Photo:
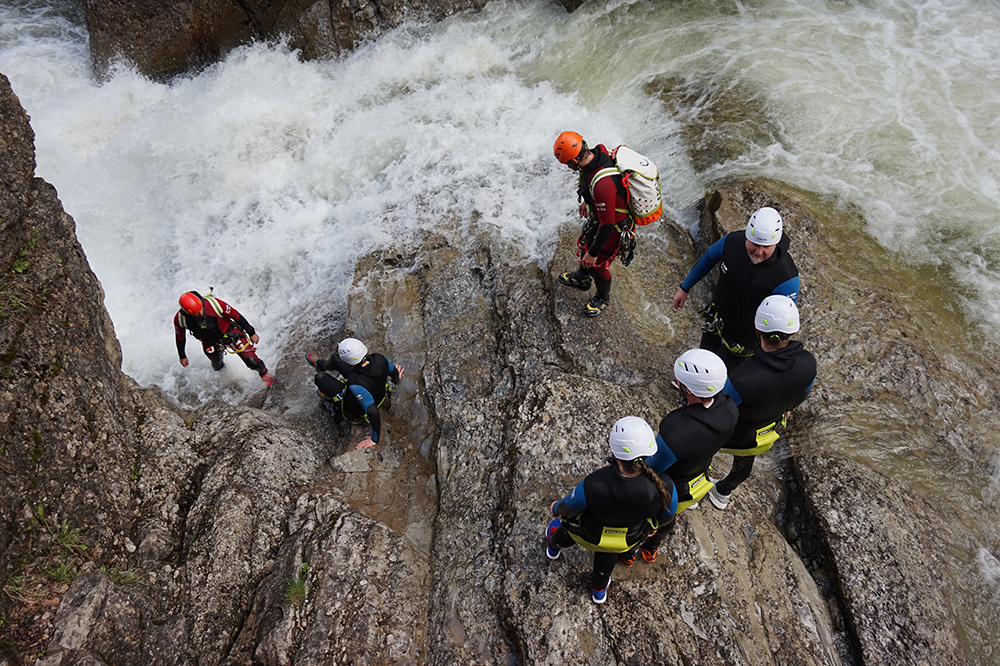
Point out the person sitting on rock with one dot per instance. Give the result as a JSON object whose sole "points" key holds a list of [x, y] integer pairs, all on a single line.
{"points": [[219, 327], [766, 388], [691, 435], [604, 205], [753, 264], [364, 388], [611, 510]]}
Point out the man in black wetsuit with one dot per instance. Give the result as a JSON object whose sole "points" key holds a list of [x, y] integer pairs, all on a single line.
{"points": [[775, 380], [357, 397], [753, 264], [690, 436]]}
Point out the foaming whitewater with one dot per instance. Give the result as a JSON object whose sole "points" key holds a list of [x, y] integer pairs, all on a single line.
{"points": [[266, 178]]}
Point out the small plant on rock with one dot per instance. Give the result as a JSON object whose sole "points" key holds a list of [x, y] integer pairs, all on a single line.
{"points": [[296, 588]]}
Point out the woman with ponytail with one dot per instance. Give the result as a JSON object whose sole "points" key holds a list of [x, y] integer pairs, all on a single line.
{"points": [[611, 511]]}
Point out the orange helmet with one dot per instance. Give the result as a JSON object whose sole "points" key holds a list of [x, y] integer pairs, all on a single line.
{"points": [[190, 303], [568, 145]]}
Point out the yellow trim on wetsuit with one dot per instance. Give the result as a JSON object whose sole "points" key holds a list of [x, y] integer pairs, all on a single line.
{"points": [[766, 437], [698, 487]]}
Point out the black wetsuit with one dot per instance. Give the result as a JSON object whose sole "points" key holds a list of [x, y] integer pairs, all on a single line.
{"points": [[688, 439], [765, 388], [365, 383], [741, 288], [606, 498]]}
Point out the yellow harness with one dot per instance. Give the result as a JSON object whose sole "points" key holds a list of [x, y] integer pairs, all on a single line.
{"points": [[613, 539], [698, 487], [766, 437]]}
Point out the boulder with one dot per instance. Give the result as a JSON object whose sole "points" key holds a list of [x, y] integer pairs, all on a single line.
{"points": [[163, 39]]}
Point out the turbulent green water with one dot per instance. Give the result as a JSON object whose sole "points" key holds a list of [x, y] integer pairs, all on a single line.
{"points": [[266, 177]]}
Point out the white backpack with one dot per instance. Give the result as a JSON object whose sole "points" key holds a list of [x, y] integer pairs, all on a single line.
{"points": [[642, 183]]}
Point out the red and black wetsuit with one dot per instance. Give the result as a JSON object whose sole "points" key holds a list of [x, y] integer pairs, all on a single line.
{"points": [[606, 204], [218, 324]]}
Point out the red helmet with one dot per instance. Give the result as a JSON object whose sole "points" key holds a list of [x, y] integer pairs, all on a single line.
{"points": [[568, 145], [190, 303]]}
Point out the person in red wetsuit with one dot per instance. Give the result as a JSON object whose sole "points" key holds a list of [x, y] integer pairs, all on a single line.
{"points": [[604, 202], [218, 326]]}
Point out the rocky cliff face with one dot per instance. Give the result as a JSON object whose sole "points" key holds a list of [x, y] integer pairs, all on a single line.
{"points": [[137, 533], [166, 38]]}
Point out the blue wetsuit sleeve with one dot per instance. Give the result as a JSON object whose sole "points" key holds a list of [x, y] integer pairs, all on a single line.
{"points": [[732, 392], [788, 288], [366, 401], [573, 504], [673, 505], [704, 265], [663, 458]]}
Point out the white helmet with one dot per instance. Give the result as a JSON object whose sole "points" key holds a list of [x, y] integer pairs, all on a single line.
{"points": [[352, 351], [632, 438], [777, 314], [702, 371], [764, 227]]}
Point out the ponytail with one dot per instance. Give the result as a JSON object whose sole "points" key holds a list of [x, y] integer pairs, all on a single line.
{"points": [[638, 464]]}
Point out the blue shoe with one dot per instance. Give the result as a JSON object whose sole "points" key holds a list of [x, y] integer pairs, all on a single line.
{"points": [[550, 552], [599, 596]]}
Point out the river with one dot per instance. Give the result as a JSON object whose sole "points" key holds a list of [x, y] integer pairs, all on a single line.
{"points": [[266, 178]]}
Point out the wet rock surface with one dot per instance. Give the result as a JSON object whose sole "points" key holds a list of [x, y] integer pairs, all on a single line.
{"points": [[259, 535], [163, 39]]}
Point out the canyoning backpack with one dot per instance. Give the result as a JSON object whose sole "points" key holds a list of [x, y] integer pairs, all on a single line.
{"points": [[642, 184]]}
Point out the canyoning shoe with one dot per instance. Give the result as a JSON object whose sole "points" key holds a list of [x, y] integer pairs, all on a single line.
{"points": [[626, 559], [576, 280], [218, 366], [719, 501], [595, 306], [268, 378], [599, 596], [312, 358], [648, 555], [550, 552]]}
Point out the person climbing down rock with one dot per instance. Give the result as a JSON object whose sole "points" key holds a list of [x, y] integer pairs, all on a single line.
{"points": [[612, 509], [219, 328], [363, 389]]}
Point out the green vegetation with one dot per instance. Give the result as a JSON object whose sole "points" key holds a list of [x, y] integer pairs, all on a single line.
{"points": [[22, 263], [296, 588], [63, 550], [17, 298], [121, 575]]}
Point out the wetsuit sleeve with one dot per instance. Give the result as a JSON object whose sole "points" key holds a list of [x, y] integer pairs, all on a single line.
{"points": [[393, 373], [245, 325], [180, 335], [788, 288], [707, 262], [730, 390], [663, 458], [573, 504], [802, 398], [367, 403], [672, 509], [336, 364]]}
